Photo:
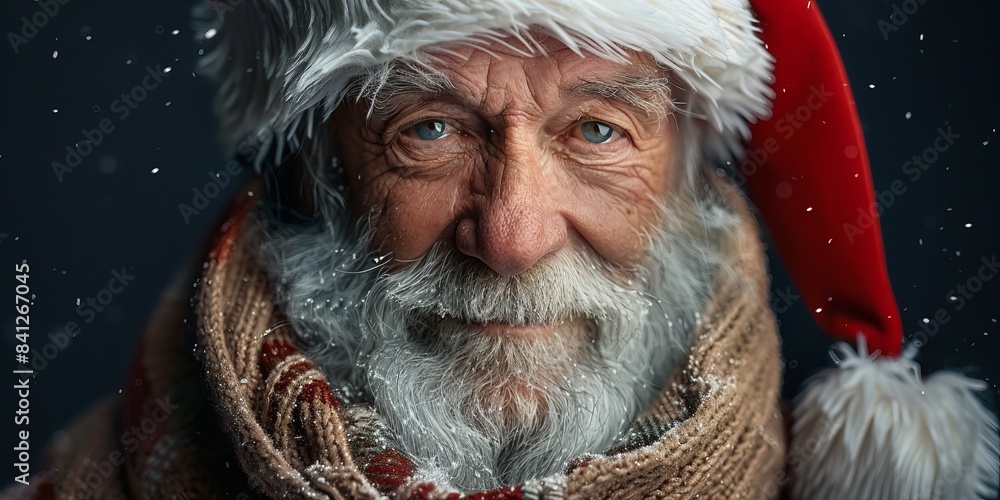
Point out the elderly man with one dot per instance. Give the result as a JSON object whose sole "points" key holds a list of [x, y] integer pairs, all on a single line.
{"points": [[495, 258]]}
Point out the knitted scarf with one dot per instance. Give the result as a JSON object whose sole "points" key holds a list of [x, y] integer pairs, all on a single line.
{"points": [[221, 402]]}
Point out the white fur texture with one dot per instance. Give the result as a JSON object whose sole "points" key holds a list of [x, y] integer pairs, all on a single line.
{"points": [[872, 429], [283, 66]]}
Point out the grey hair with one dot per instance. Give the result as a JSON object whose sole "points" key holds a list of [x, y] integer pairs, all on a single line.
{"points": [[651, 94], [382, 81]]}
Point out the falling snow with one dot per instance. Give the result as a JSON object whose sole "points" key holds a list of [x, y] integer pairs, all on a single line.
{"points": [[106, 160]]}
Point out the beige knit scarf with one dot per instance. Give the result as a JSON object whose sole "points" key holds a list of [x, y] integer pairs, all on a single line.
{"points": [[269, 424]]}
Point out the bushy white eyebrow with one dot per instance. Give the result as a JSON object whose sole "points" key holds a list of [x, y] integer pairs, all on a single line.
{"points": [[383, 82], [651, 94]]}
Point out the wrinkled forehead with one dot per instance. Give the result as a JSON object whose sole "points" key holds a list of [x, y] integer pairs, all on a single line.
{"points": [[533, 42], [515, 73], [536, 50]]}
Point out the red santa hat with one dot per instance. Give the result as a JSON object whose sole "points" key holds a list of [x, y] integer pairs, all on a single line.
{"points": [[869, 428]]}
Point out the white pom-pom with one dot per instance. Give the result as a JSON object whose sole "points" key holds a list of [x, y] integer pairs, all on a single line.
{"points": [[872, 429]]}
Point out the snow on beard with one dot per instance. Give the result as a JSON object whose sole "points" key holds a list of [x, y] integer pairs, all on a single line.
{"points": [[480, 410]]}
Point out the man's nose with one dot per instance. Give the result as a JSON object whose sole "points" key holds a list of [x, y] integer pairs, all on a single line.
{"points": [[519, 221]]}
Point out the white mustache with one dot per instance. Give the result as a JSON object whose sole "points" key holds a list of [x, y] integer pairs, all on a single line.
{"points": [[563, 285]]}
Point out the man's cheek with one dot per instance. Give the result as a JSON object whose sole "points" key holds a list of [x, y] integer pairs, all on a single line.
{"points": [[615, 221], [628, 183], [414, 214]]}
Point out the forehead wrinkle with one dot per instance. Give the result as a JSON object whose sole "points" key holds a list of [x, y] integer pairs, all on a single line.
{"points": [[648, 91]]}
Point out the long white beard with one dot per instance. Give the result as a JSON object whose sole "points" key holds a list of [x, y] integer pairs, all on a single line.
{"points": [[482, 411]]}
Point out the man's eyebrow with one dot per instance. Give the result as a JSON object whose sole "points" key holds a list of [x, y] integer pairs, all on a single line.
{"points": [[396, 78], [647, 93]]}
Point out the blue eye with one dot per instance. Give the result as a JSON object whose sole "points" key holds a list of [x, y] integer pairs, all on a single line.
{"points": [[597, 132], [430, 130]]}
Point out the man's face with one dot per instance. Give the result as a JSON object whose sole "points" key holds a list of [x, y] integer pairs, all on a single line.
{"points": [[519, 275], [521, 158]]}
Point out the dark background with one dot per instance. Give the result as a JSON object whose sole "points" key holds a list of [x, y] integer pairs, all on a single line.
{"points": [[112, 211]]}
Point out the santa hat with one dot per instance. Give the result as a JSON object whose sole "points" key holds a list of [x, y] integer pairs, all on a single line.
{"points": [[869, 428]]}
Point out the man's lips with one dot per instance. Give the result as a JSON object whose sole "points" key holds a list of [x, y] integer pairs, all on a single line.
{"points": [[578, 325], [527, 332]]}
